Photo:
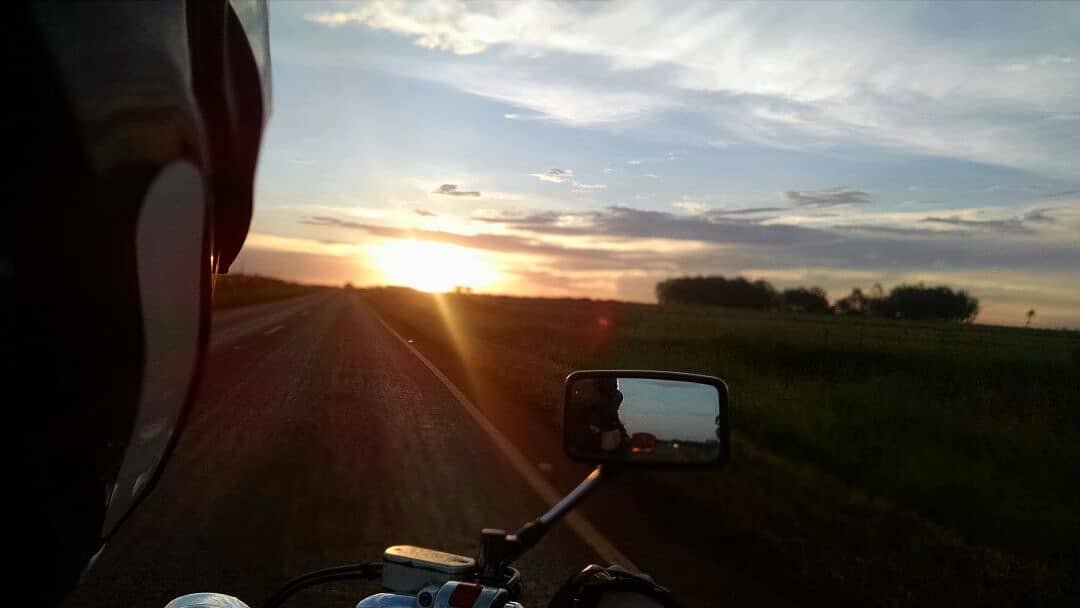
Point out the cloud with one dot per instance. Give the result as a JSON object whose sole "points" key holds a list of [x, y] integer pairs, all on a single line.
{"points": [[424, 213], [830, 197], [557, 176], [691, 207], [1062, 194], [777, 245], [652, 176], [765, 75], [452, 190], [527, 221], [582, 258], [1013, 225], [745, 211], [520, 116], [633, 162], [583, 186], [895, 230], [1054, 59], [1038, 215], [630, 223]]}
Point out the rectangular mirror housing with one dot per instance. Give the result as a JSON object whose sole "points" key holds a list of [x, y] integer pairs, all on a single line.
{"points": [[646, 418]]}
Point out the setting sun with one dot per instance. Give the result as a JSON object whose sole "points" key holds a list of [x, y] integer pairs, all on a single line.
{"points": [[432, 267]]}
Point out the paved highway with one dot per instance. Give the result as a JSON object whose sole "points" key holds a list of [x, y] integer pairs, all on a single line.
{"points": [[321, 437], [318, 439]]}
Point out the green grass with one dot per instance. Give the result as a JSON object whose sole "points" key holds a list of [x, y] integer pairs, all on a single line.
{"points": [[234, 290], [965, 436]]}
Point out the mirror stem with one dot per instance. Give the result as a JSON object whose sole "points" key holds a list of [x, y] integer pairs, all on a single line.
{"points": [[561, 508], [527, 536]]}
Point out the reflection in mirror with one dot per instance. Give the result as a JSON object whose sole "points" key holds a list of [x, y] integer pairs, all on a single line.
{"points": [[648, 420]]}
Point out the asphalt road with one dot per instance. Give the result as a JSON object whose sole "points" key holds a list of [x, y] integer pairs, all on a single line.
{"points": [[318, 439]]}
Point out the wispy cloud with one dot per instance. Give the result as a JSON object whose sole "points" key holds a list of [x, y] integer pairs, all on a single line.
{"points": [[1039, 215], [424, 213], [539, 220], [757, 72], [751, 244], [1062, 194], [556, 176], [581, 258], [582, 188], [691, 206], [949, 227], [1008, 225], [830, 197], [520, 116], [745, 211], [452, 190]]}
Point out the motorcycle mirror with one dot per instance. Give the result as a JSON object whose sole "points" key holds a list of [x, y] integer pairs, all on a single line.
{"points": [[646, 418]]}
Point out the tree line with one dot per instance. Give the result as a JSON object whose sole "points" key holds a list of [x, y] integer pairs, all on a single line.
{"points": [[917, 302]]}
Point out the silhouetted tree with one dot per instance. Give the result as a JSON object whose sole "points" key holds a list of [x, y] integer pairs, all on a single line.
{"points": [[854, 303], [1030, 316], [718, 291], [801, 299], [930, 304]]}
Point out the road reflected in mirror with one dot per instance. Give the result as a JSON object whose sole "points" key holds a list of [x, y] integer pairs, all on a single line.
{"points": [[609, 418]]}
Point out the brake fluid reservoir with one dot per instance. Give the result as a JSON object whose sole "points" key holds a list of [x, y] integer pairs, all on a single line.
{"points": [[408, 569]]}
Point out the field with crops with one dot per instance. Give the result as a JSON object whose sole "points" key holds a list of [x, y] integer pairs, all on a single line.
{"points": [[896, 461]]}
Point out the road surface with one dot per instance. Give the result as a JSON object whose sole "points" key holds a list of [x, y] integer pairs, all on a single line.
{"points": [[318, 439]]}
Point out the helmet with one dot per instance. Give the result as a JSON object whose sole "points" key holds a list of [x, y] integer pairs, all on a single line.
{"points": [[136, 128]]}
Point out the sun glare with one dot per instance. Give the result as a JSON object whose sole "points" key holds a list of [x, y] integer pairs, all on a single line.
{"points": [[433, 267]]}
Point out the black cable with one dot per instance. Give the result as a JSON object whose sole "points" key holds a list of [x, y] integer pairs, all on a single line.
{"points": [[318, 577]]}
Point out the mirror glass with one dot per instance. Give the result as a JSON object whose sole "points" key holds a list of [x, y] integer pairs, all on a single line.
{"points": [[649, 420]]}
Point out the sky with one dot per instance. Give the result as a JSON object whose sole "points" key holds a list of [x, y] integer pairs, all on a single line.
{"points": [[669, 409], [593, 149]]}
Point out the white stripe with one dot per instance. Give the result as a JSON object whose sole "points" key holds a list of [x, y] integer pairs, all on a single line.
{"points": [[273, 330], [592, 537]]}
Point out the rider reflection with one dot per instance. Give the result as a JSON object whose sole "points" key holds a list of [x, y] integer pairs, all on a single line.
{"points": [[595, 415]]}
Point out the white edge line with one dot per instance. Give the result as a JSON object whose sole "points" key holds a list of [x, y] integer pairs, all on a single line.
{"points": [[577, 522]]}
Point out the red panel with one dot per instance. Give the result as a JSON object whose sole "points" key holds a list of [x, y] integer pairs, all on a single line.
{"points": [[464, 595]]}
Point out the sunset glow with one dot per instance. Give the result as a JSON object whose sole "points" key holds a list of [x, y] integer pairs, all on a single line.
{"points": [[432, 267], [583, 155]]}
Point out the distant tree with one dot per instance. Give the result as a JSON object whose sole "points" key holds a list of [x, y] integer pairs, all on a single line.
{"points": [[1030, 316], [801, 299], [940, 303], [852, 304], [718, 291]]}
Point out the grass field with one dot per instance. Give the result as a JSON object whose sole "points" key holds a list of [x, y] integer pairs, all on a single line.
{"points": [[233, 290], [900, 463]]}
